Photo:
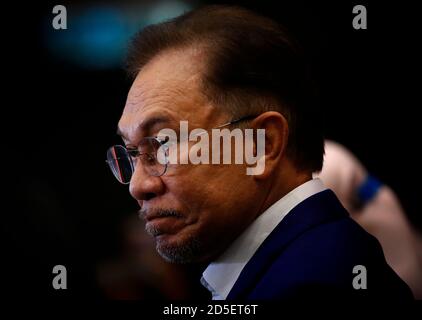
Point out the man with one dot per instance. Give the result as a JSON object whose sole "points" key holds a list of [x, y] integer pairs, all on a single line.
{"points": [[274, 234]]}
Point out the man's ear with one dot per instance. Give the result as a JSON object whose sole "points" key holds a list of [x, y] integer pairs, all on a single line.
{"points": [[270, 153]]}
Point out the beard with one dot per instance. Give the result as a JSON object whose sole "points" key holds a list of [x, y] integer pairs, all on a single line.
{"points": [[181, 252], [186, 252]]}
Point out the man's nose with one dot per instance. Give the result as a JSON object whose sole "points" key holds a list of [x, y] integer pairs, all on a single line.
{"points": [[144, 186]]}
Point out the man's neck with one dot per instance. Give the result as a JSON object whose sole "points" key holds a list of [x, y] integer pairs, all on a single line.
{"points": [[281, 187]]}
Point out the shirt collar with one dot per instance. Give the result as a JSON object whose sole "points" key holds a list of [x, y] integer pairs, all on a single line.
{"points": [[220, 276]]}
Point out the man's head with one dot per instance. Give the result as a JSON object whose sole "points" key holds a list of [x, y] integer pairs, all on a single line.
{"points": [[208, 67]]}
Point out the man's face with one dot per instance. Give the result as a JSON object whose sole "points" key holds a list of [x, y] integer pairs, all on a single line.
{"points": [[193, 211]]}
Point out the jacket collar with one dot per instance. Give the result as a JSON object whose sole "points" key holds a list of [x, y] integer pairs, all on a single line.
{"points": [[317, 209]]}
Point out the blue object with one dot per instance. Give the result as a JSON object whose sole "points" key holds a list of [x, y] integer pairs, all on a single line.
{"points": [[97, 36], [368, 189]]}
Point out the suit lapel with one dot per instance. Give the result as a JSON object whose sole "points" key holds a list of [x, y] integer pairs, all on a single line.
{"points": [[317, 209]]}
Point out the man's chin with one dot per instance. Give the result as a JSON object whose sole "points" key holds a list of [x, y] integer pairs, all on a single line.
{"points": [[176, 250]]}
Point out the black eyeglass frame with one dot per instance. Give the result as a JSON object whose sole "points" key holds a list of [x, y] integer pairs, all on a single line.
{"points": [[134, 152]]}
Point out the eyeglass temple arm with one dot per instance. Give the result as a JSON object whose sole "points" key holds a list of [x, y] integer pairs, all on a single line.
{"points": [[237, 120]]}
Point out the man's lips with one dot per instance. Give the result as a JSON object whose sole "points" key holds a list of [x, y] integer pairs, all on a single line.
{"points": [[162, 222], [153, 216], [159, 225]]}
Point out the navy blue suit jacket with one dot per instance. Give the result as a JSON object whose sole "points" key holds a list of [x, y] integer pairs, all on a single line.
{"points": [[312, 253]]}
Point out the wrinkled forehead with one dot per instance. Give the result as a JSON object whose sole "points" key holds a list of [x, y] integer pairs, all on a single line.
{"points": [[169, 85], [172, 74]]}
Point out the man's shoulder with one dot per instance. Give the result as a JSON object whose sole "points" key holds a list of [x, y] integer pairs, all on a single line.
{"points": [[325, 260], [318, 251], [335, 243]]}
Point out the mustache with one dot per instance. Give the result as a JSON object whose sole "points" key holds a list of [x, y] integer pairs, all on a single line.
{"points": [[157, 213], [143, 213]]}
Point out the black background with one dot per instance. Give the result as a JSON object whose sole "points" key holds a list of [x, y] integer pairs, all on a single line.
{"points": [[62, 206]]}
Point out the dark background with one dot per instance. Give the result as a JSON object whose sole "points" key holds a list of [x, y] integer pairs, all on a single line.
{"points": [[63, 206]]}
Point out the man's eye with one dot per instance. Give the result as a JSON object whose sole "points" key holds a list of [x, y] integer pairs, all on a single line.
{"points": [[133, 152], [148, 159]]}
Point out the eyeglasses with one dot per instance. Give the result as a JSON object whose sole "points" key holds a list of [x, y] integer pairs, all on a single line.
{"points": [[151, 153]]}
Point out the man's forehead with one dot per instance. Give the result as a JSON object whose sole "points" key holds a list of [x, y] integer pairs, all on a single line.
{"points": [[130, 130], [169, 86], [170, 75]]}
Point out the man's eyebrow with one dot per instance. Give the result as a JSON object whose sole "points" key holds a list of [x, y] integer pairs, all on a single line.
{"points": [[146, 125]]}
